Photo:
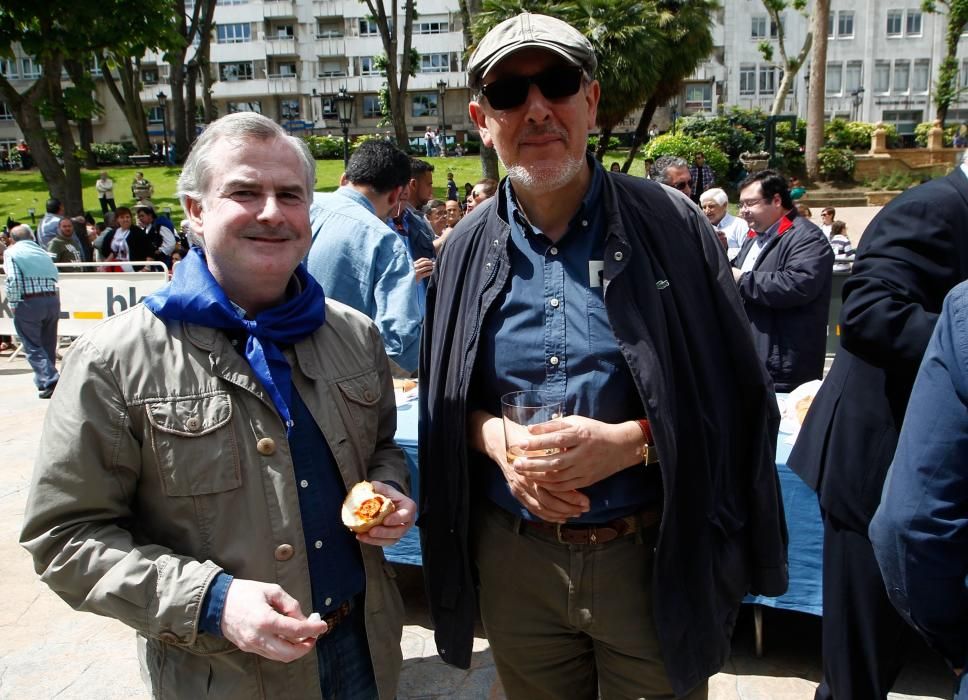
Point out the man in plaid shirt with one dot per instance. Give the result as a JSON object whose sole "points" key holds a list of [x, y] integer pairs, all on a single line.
{"points": [[31, 290]]}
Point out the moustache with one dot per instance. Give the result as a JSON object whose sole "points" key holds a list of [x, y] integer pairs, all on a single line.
{"points": [[544, 130]]}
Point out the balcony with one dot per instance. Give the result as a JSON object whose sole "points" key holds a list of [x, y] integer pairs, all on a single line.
{"points": [[328, 8], [278, 9], [283, 84], [230, 90], [281, 46], [330, 47]]}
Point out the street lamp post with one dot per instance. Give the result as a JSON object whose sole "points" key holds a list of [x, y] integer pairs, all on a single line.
{"points": [[858, 99], [441, 93], [163, 106], [344, 110]]}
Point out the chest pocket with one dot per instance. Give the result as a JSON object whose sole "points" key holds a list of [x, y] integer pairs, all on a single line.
{"points": [[195, 444]]}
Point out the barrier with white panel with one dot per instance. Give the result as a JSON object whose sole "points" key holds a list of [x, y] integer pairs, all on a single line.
{"points": [[89, 297]]}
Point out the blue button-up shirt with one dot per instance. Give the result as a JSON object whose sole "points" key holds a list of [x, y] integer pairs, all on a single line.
{"points": [[418, 237], [551, 332], [363, 263]]}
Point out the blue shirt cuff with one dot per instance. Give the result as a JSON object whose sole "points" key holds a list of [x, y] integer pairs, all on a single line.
{"points": [[213, 604]]}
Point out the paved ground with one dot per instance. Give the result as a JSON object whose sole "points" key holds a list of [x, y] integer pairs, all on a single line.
{"points": [[49, 651]]}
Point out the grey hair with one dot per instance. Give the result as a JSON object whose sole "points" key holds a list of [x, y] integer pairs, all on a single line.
{"points": [[193, 182], [715, 194], [663, 163], [21, 233]]}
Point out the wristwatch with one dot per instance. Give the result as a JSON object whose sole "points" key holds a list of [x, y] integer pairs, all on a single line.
{"points": [[650, 455]]}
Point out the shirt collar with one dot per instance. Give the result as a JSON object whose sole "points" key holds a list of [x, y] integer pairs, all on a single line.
{"points": [[358, 197], [592, 194]]}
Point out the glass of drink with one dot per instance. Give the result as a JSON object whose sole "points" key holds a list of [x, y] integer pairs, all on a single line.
{"points": [[521, 409]]}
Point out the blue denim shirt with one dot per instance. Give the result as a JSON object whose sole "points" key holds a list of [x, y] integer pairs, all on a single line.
{"points": [[363, 263], [418, 237], [552, 333]]}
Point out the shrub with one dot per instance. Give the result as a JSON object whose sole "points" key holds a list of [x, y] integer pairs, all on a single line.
{"points": [[836, 163], [921, 134], [325, 147], [613, 143], [687, 147], [111, 153], [839, 133], [361, 139]]}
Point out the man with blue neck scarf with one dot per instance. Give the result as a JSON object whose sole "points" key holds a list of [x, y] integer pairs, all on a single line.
{"points": [[634, 524], [193, 467]]}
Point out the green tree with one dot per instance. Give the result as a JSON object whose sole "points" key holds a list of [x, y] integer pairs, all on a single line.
{"points": [[818, 88], [54, 32], [469, 9], [397, 75], [790, 66], [946, 89]]}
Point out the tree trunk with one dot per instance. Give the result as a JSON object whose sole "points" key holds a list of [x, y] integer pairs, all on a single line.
{"points": [[818, 88], [641, 131], [191, 77], [176, 79], [130, 101], [73, 199], [604, 136], [85, 129]]}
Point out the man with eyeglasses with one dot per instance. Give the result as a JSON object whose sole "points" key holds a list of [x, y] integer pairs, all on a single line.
{"points": [[595, 288], [674, 172], [784, 274]]}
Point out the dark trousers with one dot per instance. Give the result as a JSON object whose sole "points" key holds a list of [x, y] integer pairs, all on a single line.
{"points": [[107, 204], [864, 638], [35, 320]]}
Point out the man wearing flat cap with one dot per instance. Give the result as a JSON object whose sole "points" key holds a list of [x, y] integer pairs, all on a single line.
{"points": [[634, 525]]}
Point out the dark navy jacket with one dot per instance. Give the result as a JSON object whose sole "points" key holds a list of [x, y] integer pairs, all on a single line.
{"points": [[787, 299], [920, 530], [911, 255], [673, 306]]}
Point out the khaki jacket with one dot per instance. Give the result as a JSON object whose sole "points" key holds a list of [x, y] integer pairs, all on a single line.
{"points": [[163, 462]]}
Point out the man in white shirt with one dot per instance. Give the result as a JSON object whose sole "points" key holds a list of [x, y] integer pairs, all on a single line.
{"points": [[714, 203]]}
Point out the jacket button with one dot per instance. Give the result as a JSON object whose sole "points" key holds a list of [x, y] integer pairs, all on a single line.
{"points": [[266, 446], [619, 256], [169, 638], [284, 552], [368, 395], [193, 424]]}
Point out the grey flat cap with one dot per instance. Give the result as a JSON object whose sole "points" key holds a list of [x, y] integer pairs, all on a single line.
{"points": [[526, 31]]}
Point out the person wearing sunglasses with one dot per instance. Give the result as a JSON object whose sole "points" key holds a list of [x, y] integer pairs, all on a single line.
{"points": [[603, 600], [784, 275], [674, 172]]}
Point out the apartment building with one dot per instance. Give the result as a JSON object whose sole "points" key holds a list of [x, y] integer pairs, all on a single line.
{"points": [[288, 58], [883, 58]]}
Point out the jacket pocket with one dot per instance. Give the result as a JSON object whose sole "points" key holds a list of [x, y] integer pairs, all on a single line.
{"points": [[195, 444], [361, 397]]}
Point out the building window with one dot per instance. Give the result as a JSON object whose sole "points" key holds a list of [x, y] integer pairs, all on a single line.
{"points": [[904, 121], [368, 66], [5, 114], [845, 25], [895, 19], [767, 80], [283, 31], [328, 30], [882, 77], [155, 115], [371, 107], [964, 75], [254, 106], [230, 72], [922, 71], [329, 108], [830, 25], [699, 96], [8, 68], [222, 2], [902, 75], [149, 76], [233, 33], [434, 62], [431, 27], [835, 78], [853, 76], [424, 104], [368, 27], [285, 70], [758, 27], [289, 109], [330, 69], [747, 80], [29, 69], [913, 23]]}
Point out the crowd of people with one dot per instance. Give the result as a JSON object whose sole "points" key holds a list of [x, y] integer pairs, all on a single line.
{"points": [[257, 384]]}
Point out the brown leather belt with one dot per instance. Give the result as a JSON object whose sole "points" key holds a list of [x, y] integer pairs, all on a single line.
{"points": [[599, 533], [337, 616]]}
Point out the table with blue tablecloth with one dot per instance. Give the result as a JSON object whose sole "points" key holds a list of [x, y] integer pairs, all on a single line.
{"points": [[799, 503]]}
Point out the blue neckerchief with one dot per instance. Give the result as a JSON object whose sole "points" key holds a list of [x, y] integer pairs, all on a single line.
{"points": [[195, 297]]}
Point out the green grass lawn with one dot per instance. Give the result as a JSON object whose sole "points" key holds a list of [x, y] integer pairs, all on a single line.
{"points": [[20, 191]]}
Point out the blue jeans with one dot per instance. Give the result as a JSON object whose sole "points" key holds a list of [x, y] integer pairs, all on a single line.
{"points": [[35, 320], [345, 669]]}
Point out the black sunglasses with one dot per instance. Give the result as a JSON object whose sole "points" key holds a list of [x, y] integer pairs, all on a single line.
{"points": [[554, 83], [681, 186]]}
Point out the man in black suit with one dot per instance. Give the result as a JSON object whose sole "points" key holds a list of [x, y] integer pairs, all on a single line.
{"points": [[913, 252]]}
